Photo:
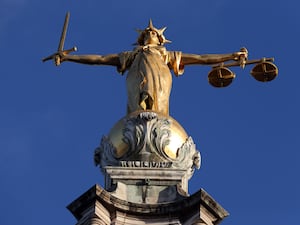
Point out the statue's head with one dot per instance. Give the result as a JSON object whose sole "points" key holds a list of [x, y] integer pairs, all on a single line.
{"points": [[152, 35]]}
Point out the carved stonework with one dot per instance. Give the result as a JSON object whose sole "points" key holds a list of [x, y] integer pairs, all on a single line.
{"points": [[148, 137]]}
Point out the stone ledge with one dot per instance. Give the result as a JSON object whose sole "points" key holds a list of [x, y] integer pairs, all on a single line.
{"points": [[159, 175], [192, 205]]}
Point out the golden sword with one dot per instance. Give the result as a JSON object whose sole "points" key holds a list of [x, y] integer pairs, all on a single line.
{"points": [[60, 49]]}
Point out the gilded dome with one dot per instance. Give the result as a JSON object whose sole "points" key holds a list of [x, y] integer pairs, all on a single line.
{"points": [[148, 139], [147, 128]]}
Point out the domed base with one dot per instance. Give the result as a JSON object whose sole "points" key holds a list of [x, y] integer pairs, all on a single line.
{"points": [[148, 139]]}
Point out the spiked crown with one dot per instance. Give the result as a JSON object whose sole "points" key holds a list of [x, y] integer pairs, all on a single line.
{"points": [[159, 32]]}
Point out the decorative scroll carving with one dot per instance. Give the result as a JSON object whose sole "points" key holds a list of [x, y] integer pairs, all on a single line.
{"points": [[146, 134], [105, 154], [188, 156]]}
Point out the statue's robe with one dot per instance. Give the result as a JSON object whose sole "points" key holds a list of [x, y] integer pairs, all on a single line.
{"points": [[149, 79]]}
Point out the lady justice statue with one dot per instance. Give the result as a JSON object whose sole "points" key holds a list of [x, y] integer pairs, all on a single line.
{"points": [[149, 66], [147, 136]]}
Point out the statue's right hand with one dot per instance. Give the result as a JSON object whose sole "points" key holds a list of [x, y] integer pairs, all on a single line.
{"points": [[59, 58]]}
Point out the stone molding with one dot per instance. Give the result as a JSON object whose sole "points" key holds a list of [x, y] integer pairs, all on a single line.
{"points": [[97, 206]]}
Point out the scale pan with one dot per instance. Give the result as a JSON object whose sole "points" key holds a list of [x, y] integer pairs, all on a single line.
{"points": [[220, 77], [265, 71]]}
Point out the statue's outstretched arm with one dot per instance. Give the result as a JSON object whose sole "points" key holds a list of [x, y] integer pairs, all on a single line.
{"points": [[111, 59], [192, 59]]}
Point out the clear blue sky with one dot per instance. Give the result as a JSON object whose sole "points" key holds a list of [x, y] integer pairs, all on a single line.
{"points": [[52, 118]]}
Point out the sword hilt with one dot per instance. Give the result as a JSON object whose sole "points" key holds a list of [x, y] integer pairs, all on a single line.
{"points": [[56, 55]]}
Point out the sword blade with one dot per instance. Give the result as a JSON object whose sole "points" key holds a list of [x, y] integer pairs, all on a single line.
{"points": [[63, 33]]}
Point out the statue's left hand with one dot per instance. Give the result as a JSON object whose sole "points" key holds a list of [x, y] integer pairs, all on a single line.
{"points": [[241, 56], [243, 53]]}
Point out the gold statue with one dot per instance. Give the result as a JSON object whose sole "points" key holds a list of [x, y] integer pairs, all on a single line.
{"points": [[149, 66]]}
